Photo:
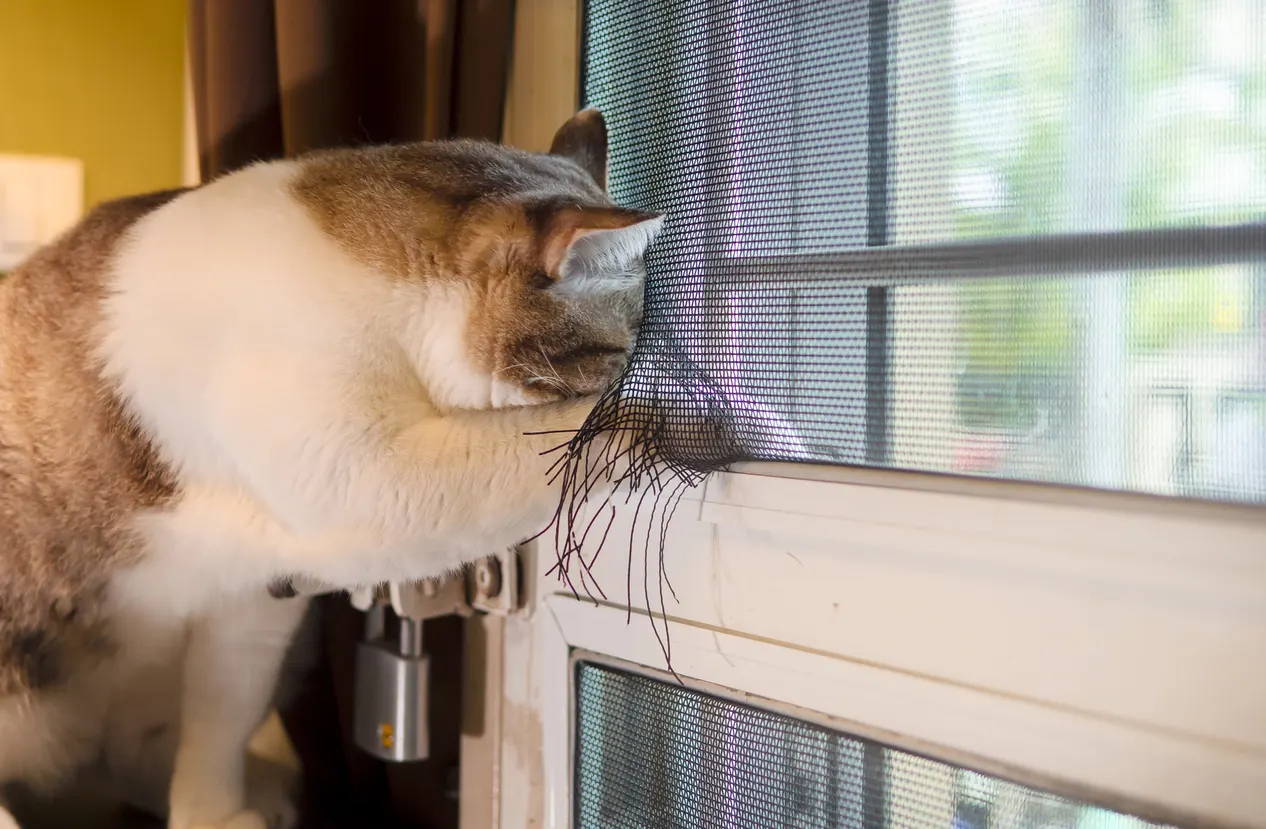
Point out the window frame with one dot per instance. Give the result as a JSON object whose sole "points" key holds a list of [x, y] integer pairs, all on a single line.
{"points": [[751, 551], [757, 546]]}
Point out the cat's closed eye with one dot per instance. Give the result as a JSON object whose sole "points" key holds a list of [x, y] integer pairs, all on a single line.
{"points": [[587, 352]]}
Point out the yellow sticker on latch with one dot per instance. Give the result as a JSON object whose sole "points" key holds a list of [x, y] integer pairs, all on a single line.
{"points": [[386, 736]]}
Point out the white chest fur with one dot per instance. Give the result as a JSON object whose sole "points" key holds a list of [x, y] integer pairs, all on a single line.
{"points": [[275, 373]]}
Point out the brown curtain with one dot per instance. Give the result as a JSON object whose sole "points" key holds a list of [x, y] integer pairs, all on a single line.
{"points": [[272, 79]]}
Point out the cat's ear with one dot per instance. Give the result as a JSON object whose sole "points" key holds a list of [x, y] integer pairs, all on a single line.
{"points": [[592, 248], [583, 139]]}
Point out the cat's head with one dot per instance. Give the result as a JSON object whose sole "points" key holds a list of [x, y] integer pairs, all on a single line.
{"points": [[525, 279]]}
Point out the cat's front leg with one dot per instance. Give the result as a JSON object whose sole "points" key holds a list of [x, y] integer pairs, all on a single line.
{"points": [[231, 670], [486, 475]]}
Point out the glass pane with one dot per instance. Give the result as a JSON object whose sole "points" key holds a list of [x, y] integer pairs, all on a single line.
{"points": [[997, 117], [654, 755], [1077, 116], [1150, 381]]}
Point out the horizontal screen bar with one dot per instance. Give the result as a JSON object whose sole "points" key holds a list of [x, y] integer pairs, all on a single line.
{"points": [[1046, 255]]}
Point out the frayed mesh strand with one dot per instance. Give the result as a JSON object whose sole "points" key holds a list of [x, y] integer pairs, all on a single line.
{"points": [[1020, 240], [633, 445]]}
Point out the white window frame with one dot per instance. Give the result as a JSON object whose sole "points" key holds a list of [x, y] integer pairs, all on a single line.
{"points": [[876, 600], [1107, 646]]}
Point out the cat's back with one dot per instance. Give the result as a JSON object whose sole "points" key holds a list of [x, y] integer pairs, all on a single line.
{"points": [[72, 464]]}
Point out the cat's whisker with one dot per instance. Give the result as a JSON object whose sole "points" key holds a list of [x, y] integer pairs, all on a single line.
{"points": [[549, 364], [560, 384], [547, 381], [510, 367]]}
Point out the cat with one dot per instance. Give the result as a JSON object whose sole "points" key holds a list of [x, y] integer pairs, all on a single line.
{"points": [[347, 367]]}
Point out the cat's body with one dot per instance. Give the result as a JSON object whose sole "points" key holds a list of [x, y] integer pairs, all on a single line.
{"points": [[346, 367]]}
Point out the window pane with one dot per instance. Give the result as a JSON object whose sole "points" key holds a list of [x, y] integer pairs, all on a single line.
{"points": [[1005, 117], [653, 755], [1149, 381], [1077, 116], [785, 139]]}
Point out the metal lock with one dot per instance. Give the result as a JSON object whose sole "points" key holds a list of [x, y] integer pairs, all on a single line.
{"points": [[391, 699], [391, 691]]}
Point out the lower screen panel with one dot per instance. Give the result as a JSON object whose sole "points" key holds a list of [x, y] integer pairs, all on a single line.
{"points": [[656, 755]]}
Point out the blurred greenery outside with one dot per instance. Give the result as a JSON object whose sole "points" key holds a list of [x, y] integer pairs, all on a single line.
{"points": [[1194, 139]]}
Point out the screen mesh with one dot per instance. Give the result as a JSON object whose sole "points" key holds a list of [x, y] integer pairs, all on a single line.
{"points": [[654, 755], [1014, 238]]}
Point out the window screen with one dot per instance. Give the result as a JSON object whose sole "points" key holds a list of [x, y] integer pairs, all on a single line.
{"points": [[1010, 238], [654, 755]]}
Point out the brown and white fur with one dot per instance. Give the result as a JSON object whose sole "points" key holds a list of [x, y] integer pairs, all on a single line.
{"points": [[326, 367]]}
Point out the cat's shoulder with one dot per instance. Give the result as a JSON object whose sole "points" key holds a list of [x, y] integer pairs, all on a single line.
{"points": [[105, 223], [76, 262]]}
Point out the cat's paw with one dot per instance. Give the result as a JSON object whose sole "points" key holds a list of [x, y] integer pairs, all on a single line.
{"points": [[271, 807], [197, 805], [7, 821], [206, 801], [576, 411], [249, 819], [271, 790]]}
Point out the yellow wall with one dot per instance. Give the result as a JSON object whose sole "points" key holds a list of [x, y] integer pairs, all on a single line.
{"points": [[98, 80]]}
